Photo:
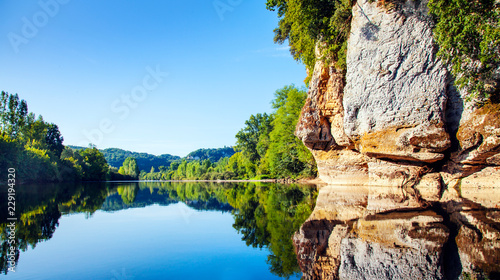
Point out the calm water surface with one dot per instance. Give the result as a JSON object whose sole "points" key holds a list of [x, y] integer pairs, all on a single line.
{"points": [[156, 230]]}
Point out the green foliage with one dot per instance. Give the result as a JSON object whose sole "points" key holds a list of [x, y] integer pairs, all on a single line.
{"points": [[130, 168], [38, 209], [305, 23], [287, 155], [54, 140], [35, 148], [13, 114], [266, 215], [248, 138], [94, 165], [214, 155], [115, 157], [128, 193], [266, 148], [468, 34]]}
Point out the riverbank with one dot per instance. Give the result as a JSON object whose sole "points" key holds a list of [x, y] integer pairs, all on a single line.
{"points": [[305, 181]]}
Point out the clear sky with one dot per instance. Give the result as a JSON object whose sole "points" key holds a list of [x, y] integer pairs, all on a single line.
{"points": [[147, 76]]}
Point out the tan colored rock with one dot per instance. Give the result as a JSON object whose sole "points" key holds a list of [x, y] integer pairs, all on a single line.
{"points": [[385, 199], [478, 240], [394, 105], [385, 173], [493, 160], [344, 226], [320, 125], [417, 230], [482, 187], [366, 260], [405, 143], [430, 187], [381, 139], [479, 136], [311, 242], [340, 203], [342, 167]]}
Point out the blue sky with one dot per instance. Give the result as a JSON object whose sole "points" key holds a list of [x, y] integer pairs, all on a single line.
{"points": [[147, 76]]}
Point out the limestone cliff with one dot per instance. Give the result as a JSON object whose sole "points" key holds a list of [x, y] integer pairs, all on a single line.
{"points": [[394, 119], [395, 114]]}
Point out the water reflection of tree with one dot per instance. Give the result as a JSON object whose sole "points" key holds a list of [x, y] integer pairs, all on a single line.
{"points": [[128, 193], [39, 209], [268, 216]]}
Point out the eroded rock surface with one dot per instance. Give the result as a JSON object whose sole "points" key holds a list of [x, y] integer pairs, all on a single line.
{"points": [[395, 93], [414, 170], [395, 116]]}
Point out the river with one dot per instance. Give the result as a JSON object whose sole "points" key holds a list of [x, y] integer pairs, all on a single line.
{"points": [[154, 230], [195, 230]]}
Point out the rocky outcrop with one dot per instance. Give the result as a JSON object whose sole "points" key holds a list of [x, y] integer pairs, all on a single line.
{"points": [[395, 93], [393, 134], [395, 115]]}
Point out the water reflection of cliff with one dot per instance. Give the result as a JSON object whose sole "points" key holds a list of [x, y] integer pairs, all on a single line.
{"points": [[379, 233], [266, 215]]}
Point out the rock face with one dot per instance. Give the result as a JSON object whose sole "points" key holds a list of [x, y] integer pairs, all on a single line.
{"points": [[395, 115], [395, 93], [394, 119]]}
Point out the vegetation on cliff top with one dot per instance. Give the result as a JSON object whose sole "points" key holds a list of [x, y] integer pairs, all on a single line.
{"points": [[306, 23], [467, 32]]}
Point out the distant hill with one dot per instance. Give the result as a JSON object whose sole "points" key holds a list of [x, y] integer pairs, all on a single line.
{"points": [[212, 154], [115, 157]]}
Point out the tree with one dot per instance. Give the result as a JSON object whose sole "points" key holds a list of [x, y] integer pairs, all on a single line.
{"points": [[130, 168], [54, 139], [248, 138], [128, 193], [287, 155], [468, 35], [13, 114], [305, 23], [95, 166], [174, 165]]}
